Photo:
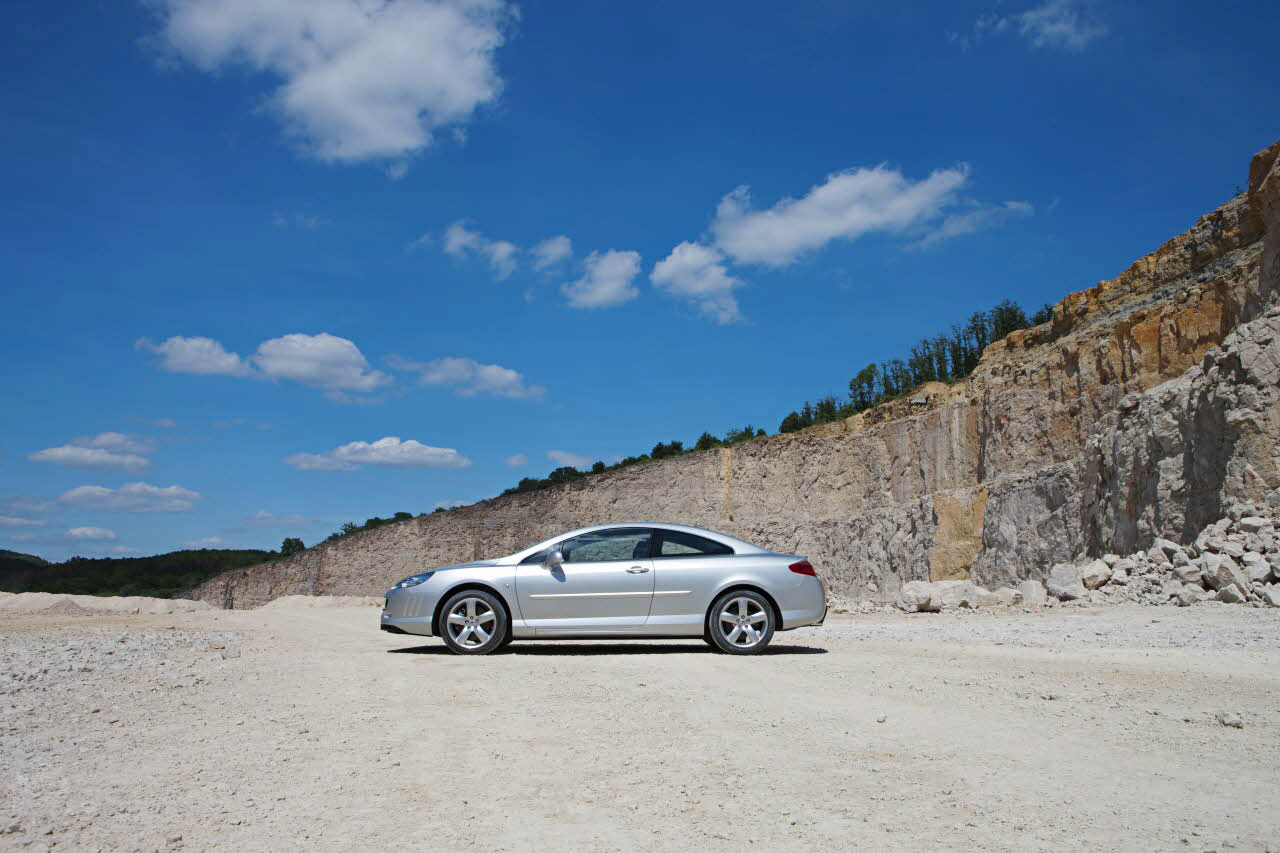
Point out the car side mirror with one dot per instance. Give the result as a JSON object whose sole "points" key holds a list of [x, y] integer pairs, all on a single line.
{"points": [[553, 560]]}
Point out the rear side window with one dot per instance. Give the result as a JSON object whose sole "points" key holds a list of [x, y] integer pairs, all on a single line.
{"points": [[675, 543]]}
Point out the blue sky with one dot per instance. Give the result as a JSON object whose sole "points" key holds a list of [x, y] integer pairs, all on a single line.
{"points": [[272, 266]]}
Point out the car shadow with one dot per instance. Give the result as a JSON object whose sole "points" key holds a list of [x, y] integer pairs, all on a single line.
{"points": [[588, 649]]}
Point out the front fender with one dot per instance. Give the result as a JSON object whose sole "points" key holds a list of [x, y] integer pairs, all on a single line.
{"points": [[412, 610], [500, 580]]}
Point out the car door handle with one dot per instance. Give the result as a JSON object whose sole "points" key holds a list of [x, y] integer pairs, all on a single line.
{"points": [[637, 570]]}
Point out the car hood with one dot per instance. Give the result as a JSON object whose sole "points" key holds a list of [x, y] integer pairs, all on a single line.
{"points": [[474, 564]]}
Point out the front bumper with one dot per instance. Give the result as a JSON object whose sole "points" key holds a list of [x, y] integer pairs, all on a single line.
{"points": [[408, 611], [420, 625]]}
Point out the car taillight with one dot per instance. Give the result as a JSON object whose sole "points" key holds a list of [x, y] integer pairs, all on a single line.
{"points": [[803, 568]]}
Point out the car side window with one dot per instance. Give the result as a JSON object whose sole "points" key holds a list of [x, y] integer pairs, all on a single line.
{"points": [[675, 543], [602, 546]]}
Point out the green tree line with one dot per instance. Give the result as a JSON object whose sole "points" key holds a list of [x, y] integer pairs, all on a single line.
{"points": [[159, 576], [369, 524], [945, 357]]}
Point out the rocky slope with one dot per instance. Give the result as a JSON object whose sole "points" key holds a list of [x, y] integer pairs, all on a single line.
{"points": [[1235, 560], [1146, 408]]}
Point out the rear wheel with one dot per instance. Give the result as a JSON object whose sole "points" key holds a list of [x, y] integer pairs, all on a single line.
{"points": [[741, 622], [473, 623]]}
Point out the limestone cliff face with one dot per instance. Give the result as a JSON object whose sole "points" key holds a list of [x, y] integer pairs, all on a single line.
{"points": [[1144, 408]]}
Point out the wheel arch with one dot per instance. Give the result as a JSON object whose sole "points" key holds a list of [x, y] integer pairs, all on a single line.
{"points": [[738, 587], [462, 587]]}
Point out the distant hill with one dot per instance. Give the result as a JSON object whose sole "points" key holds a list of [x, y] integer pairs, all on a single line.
{"points": [[161, 576], [13, 563], [15, 556]]}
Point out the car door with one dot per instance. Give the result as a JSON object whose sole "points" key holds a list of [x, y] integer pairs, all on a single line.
{"points": [[604, 585], [687, 571]]}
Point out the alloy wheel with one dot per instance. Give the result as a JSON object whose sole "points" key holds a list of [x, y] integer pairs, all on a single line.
{"points": [[743, 622], [471, 622]]}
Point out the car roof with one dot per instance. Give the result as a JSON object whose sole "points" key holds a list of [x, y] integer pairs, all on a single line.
{"points": [[740, 546]]}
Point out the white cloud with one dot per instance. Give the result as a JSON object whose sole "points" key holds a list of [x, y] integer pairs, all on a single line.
{"points": [[106, 451], [697, 273], [979, 217], [206, 542], [551, 251], [359, 79], [91, 534], [846, 206], [14, 521], [91, 458], [239, 422], [389, 452], [459, 241], [323, 360], [27, 504], [608, 280], [469, 377], [165, 423], [564, 457], [516, 460], [117, 442], [298, 220], [131, 497], [203, 356], [263, 518], [1056, 23], [345, 399]]}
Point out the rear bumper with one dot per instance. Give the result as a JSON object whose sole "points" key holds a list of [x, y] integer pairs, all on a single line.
{"points": [[806, 606]]}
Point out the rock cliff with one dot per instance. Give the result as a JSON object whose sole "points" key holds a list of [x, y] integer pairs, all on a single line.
{"points": [[1146, 408]]}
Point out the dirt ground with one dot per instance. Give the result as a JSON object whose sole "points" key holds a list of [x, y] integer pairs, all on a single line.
{"points": [[292, 728]]}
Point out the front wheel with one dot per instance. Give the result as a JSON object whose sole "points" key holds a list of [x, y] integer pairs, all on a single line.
{"points": [[474, 623], [741, 622]]}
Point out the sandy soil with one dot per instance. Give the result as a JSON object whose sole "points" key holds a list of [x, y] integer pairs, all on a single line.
{"points": [[291, 728]]}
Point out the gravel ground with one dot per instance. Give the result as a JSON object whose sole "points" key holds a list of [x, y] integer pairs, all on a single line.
{"points": [[1076, 728]]}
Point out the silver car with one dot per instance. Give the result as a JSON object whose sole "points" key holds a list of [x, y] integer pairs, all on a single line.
{"points": [[639, 580]]}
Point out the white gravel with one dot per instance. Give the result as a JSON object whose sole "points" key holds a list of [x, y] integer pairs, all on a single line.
{"points": [[1071, 728]]}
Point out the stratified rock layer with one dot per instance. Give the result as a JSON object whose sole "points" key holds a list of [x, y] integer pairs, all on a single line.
{"points": [[1146, 408]]}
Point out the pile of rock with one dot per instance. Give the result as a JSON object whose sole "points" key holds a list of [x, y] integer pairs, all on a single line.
{"points": [[929, 597], [1235, 560]]}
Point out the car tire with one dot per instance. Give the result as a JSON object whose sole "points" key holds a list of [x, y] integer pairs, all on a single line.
{"points": [[741, 622], [473, 622]]}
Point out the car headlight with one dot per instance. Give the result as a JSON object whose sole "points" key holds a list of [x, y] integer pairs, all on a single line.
{"points": [[413, 580]]}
